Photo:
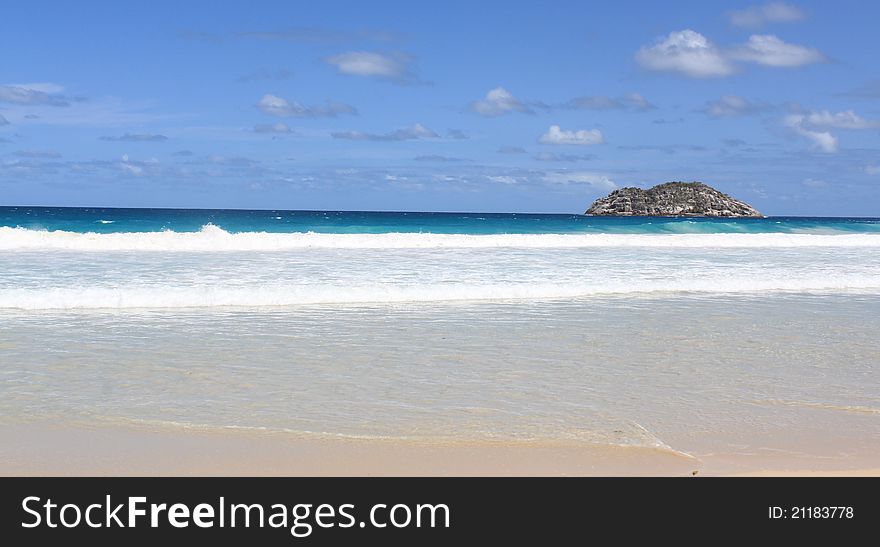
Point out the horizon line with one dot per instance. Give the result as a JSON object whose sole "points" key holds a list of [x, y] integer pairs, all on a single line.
{"points": [[422, 212]]}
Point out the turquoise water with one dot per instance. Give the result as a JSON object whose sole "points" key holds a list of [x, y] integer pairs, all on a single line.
{"points": [[74, 258], [100, 220]]}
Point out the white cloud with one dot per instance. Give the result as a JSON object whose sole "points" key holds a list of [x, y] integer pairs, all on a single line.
{"points": [[277, 128], [437, 158], [872, 170], [822, 140], [43, 87], [230, 160], [816, 125], [33, 94], [769, 50], [547, 156], [498, 101], [366, 63], [556, 135], [135, 137], [634, 101], [638, 102], [277, 106], [597, 181], [42, 154], [839, 120], [690, 53], [774, 12], [595, 102], [814, 183], [132, 169], [730, 106], [270, 104], [503, 179], [61, 110], [129, 167], [686, 52], [413, 132]]}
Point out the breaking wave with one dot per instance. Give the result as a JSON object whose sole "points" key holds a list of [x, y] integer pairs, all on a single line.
{"points": [[162, 296], [212, 238]]}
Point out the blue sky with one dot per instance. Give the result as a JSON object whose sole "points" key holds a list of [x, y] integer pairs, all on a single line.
{"points": [[507, 106]]}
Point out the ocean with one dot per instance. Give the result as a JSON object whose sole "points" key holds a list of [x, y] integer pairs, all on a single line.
{"points": [[691, 335]]}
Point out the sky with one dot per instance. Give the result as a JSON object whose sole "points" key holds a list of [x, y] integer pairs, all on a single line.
{"points": [[441, 106]]}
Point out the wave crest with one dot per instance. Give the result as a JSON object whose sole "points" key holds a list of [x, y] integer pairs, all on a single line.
{"points": [[213, 238]]}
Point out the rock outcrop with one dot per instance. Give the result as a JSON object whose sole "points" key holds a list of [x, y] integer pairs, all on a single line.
{"points": [[693, 199]]}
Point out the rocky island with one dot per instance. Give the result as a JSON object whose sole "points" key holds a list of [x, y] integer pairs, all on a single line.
{"points": [[693, 199]]}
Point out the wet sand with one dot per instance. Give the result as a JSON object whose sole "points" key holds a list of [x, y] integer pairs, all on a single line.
{"points": [[80, 450]]}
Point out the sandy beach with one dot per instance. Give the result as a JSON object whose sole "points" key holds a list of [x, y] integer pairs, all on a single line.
{"points": [[43, 449]]}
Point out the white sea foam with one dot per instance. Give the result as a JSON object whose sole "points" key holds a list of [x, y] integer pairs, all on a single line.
{"points": [[213, 238], [617, 432], [133, 297]]}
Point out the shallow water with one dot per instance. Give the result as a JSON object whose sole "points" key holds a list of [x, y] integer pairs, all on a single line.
{"points": [[696, 374], [65, 279]]}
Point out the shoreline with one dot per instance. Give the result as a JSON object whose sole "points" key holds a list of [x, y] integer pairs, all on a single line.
{"points": [[42, 449]]}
